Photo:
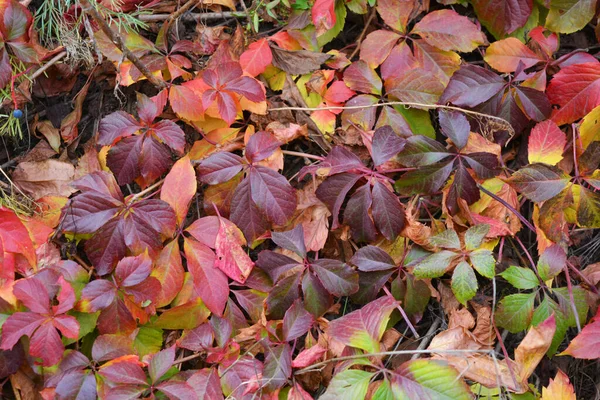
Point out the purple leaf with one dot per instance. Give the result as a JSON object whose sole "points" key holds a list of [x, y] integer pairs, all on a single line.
{"points": [[357, 215], [170, 134], [535, 103], [463, 187], [282, 296], [197, 339], [428, 179], [80, 385], [131, 271], [317, 300], [248, 87], [485, 165], [292, 240], [176, 390], [115, 126], [123, 159], [154, 160], [455, 126], [371, 258], [278, 366], [246, 214], [160, 363], [260, 146], [388, 213], [337, 277], [275, 264], [472, 85], [98, 295], [33, 294], [17, 325], [108, 347], [273, 194], [87, 212], [219, 167], [420, 150], [386, 144], [333, 191], [296, 322], [125, 371], [206, 384]]}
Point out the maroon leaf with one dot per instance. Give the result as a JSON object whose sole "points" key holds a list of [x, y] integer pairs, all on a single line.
{"points": [[317, 299], [154, 159], [108, 347], [372, 258], [17, 325], [160, 363], [272, 193], [503, 17], [260, 146], [420, 150], [170, 134], [124, 159], [296, 322], [337, 277], [357, 215], [116, 126], [124, 370], [333, 191], [278, 366], [176, 390], [219, 167], [463, 187], [283, 295], [386, 144], [246, 214], [206, 384], [275, 264], [535, 103], [360, 77], [471, 85], [455, 126], [388, 213], [292, 240], [428, 179], [107, 246]]}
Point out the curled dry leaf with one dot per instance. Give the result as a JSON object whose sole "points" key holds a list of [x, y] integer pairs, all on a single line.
{"points": [[45, 178]]}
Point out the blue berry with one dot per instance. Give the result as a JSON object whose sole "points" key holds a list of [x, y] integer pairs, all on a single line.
{"points": [[17, 113]]}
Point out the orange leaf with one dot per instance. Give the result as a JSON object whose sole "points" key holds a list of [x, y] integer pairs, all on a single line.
{"points": [[505, 55], [559, 388], [180, 187], [231, 258], [546, 143]]}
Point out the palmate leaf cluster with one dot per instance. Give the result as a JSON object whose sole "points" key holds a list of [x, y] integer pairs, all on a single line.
{"points": [[284, 217]]}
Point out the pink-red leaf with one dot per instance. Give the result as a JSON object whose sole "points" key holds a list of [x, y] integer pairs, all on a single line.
{"points": [[230, 257], [179, 187], [449, 31], [546, 143], [272, 193], [256, 59]]}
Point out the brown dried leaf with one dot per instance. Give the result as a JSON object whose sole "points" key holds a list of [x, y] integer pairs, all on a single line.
{"points": [[297, 62], [45, 178]]}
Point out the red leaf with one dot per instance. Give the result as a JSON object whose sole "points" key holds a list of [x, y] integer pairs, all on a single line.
{"points": [[46, 344], [17, 325], [185, 102], [256, 59], [449, 31], [362, 78], [309, 356], [15, 237], [125, 370], [179, 188], [160, 363], [586, 343], [107, 246], [33, 294], [206, 384], [170, 134], [337, 277], [210, 283], [230, 257], [377, 46], [124, 159], [169, 272], [338, 93], [546, 143], [576, 89], [323, 15], [131, 271], [363, 328], [396, 14]]}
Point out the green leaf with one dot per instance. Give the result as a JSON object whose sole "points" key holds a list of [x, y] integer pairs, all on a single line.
{"points": [[521, 278], [474, 236], [546, 308], [434, 265], [384, 391], [484, 262], [185, 316], [148, 341], [515, 312], [464, 282], [565, 304], [350, 384], [447, 239], [568, 16], [428, 379], [418, 120]]}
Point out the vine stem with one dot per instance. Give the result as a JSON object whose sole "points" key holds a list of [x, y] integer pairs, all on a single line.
{"points": [[362, 34], [583, 278], [304, 155], [511, 208], [146, 191], [572, 298], [504, 122], [410, 325], [195, 16], [117, 40]]}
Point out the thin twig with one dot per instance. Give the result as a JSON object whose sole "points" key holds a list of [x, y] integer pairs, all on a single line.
{"points": [[428, 336], [583, 278], [146, 191], [572, 298], [304, 155], [183, 9], [502, 121], [316, 366], [410, 325], [194, 16], [117, 40], [50, 63]]}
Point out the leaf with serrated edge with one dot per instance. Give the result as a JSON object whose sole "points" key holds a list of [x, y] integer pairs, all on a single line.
{"points": [[521, 278], [515, 312], [464, 282]]}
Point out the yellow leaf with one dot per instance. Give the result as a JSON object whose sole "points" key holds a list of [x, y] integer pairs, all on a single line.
{"points": [[559, 388], [589, 130]]}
